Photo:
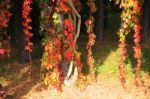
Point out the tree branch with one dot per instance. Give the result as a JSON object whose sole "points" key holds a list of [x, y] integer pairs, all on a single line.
{"points": [[75, 40]]}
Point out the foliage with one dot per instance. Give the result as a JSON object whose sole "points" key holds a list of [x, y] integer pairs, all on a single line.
{"points": [[59, 42], [59, 17], [123, 32], [89, 24], [25, 14], [130, 20], [5, 15], [137, 7], [52, 46]]}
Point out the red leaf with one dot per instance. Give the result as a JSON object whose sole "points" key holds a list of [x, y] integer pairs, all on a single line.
{"points": [[2, 51], [68, 55], [69, 25], [71, 44], [30, 44]]}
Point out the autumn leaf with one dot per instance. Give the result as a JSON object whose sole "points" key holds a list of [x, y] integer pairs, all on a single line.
{"points": [[2, 52], [68, 55]]}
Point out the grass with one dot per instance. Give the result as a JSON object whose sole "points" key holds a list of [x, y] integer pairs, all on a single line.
{"points": [[106, 59]]}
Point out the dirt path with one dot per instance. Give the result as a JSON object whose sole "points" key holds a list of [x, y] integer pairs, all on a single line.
{"points": [[106, 88]]}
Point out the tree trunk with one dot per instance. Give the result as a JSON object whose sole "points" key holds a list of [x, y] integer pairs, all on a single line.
{"points": [[99, 17], [106, 3], [18, 35], [146, 20]]}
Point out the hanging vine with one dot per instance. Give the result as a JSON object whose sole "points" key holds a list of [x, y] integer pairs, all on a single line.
{"points": [[130, 19], [5, 15], [26, 9], [61, 34], [52, 46], [137, 36], [74, 16], [91, 41], [124, 30], [27, 20]]}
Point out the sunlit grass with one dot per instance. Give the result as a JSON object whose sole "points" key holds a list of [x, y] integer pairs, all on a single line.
{"points": [[109, 64], [106, 59]]}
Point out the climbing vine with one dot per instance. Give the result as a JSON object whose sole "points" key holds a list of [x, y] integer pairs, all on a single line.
{"points": [[52, 45], [5, 14], [125, 29], [91, 41], [25, 14], [59, 43], [137, 36], [130, 17], [26, 9]]}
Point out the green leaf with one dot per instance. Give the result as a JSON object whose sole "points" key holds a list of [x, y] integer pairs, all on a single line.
{"points": [[55, 16]]}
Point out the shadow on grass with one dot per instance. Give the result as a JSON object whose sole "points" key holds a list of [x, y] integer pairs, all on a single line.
{"points": [[15, 79], [102, 51], [145, 67], [105, 55]]}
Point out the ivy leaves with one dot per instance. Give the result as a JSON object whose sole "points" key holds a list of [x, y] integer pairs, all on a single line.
{"points": [[137, 37], [56, 20], [130, 21], [25, 14], [5, 15], [91, 41]]}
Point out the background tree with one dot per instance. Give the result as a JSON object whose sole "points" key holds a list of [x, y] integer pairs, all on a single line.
{"points": [[146, 20], [17, 34], [99, 17]]}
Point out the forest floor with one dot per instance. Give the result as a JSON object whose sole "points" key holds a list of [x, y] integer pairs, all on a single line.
{"points": [[106, 86], [14, 78]]}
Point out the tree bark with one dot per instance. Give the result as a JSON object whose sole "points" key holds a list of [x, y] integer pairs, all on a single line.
{"points": [[99, 20], [106, 3], [18, 35], [146, 20]]}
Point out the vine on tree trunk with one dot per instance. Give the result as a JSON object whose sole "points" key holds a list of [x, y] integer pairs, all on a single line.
{"points": [[58, 25], [52, 43], [91, 41], [26, 9], [5, 15], [27, 20], [137, 37], [123, 32], [130, 19]]}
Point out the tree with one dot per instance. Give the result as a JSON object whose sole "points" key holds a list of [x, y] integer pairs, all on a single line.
{"points": [[99, 17], [17, 35], [146, 20]]}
